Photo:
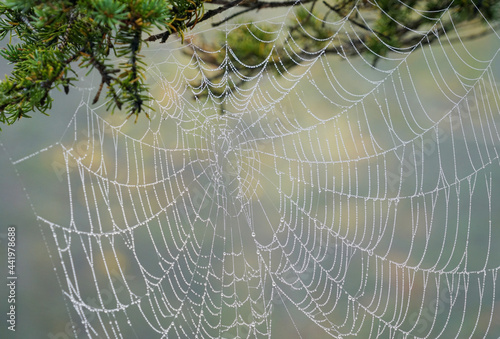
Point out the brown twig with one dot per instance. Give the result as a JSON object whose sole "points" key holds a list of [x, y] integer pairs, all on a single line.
{"points": [[354, 22], [226, 5]]}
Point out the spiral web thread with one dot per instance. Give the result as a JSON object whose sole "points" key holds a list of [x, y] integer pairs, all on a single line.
{"points": [[332, 199]]}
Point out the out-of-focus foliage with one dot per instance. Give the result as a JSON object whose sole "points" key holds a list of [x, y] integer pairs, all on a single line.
{"points": [[376, 28]]}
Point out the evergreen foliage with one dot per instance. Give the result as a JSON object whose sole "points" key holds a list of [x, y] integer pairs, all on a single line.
{"points": [[56, 36]]}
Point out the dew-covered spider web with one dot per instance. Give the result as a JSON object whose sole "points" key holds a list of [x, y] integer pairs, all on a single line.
{"points": [[319, 195]]}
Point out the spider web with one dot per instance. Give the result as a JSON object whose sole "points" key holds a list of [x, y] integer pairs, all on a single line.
{"points": [[334, 199]]}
